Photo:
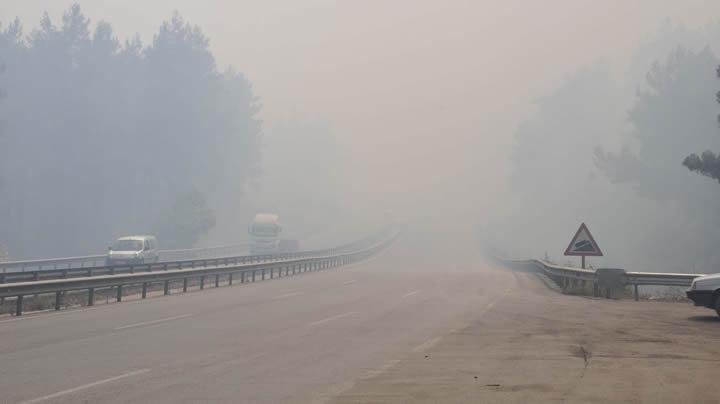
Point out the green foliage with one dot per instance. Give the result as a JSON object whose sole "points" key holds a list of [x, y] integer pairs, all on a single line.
{"points": [[669, 120], [708, 164]]}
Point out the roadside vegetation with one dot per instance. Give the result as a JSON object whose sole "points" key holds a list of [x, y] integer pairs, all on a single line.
{"points": [[609, 149], [103, 136]]}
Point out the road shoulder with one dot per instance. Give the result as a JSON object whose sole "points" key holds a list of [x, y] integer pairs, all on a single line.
{"points": [[540, 346]]}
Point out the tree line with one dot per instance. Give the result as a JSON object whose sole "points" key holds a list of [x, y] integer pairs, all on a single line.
{"points": [[102, 137], [610, 151]]}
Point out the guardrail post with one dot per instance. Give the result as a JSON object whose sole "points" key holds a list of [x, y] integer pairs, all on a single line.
{"points": [[119, 293], [144, 290], [185, 283], [272, 270], [230, 279], [58, 300], [637, 297], [202, 282], [253, 275], [2, 278], [166, 289], [242, 277], [263, 274], [91, 297], [19, 305], [217, 281]]}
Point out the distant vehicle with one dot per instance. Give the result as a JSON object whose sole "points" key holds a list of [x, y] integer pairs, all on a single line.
{"points": [[705, 291], [288, 246], [133, 250], [265, 234]]}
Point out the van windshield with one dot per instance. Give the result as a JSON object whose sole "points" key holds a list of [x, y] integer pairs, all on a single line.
{"points": [[128, 245]]}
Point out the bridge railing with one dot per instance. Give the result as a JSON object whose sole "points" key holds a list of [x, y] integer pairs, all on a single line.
{"points": [[248, 269], [99, 260], [603, 279]]}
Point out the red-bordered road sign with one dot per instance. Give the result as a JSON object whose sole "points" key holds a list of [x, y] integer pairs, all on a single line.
{"points": [[583, 244]]}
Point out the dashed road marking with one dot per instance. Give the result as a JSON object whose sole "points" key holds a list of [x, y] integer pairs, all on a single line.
{"points": [[286, 295], [85, 386], [333, 318], [427, 344], [161, 320], [414, 292]]}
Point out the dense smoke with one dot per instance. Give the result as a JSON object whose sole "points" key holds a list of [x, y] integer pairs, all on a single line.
{"points": [[593, 153], [104, 138]]}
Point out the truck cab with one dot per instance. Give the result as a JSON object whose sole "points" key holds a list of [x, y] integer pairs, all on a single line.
{"points": [[265, 233]]}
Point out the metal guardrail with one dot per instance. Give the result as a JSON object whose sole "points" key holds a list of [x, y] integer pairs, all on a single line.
{"points": [[100, 270], [605, 278], [98, 260], [51, 262], [291, 264]]}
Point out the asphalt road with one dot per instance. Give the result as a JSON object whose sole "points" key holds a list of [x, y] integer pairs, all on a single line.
{"points": [[352, 334], [536, 345]]}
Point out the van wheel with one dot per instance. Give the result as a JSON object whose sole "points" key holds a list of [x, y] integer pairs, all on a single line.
{"points": [[717, 303]]}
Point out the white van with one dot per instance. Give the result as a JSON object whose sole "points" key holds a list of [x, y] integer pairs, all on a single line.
{"points": [[133, 250]]}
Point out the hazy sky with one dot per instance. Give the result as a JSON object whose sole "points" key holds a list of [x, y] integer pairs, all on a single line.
{"points": [[423, 95]]}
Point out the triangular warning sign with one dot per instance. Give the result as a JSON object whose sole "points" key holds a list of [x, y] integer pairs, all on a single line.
{"points": [[583, 244]]}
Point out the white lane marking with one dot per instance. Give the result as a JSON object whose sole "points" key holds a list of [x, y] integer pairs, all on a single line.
{"points": [[427, 344], [382, 369], [286, 295], [414, 292], [339, 316], [85, 386], [52, 313], [338, 389], [349, 282], [161, 320]]}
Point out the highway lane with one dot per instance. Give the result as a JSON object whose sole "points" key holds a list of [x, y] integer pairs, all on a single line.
{"points": [[298, 339]]}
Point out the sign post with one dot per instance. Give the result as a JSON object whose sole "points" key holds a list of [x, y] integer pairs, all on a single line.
{"points": [[583, 244]]}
